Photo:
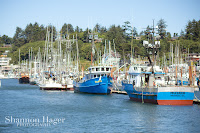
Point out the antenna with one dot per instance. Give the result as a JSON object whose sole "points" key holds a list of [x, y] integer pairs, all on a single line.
{"points": [[151, 47]]}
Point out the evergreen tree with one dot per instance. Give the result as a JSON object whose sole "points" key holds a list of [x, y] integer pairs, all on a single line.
{"points": [[135, 32], [127, 30], [67, 29], [97, 28], [103, 30], [5, 40], [162, 28], [188, 31], [18, 39], [77, 29]]}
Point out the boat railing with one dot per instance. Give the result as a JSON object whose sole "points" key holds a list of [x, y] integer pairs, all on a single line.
{"points": [[146, 89]]}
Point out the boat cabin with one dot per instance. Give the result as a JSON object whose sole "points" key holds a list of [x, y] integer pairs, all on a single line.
{"points": [[97, 72], [100, 69]]}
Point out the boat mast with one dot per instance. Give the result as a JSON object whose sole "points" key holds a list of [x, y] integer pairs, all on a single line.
{"points": [[77, 53], [131, 47]]}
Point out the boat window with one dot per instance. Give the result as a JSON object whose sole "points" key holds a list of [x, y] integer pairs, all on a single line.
{"points": [[92, 76], [102, 69], [98, 75], [93, 69], [107, 69], [95, 76], [97, 69]]}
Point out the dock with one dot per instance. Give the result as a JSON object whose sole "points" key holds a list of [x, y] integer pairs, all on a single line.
{"points": [[118, 92]]}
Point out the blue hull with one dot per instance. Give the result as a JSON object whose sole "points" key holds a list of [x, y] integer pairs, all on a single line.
{"points": [[169, 97], [110, 84], [93, 86], [147, 97], [175, 96]]}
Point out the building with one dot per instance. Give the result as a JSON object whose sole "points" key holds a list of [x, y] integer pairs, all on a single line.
{"points": [[137, 38], [194, 57], [7, 45], [4, 61]]}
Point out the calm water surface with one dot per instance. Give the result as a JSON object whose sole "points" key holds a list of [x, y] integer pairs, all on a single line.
{"points": [[88, 113]]}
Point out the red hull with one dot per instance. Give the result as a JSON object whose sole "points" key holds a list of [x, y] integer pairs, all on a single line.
{"points": [[175, 102], [70, 89]]}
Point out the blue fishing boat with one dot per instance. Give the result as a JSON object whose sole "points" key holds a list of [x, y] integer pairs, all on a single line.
{"points": [[148, 87], [97, 81]]}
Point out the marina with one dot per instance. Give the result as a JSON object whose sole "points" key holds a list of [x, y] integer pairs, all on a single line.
{"points": [[86, 112], [100, 67]]}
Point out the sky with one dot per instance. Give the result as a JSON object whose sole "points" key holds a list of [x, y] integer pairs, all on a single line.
{"points": [[86, 13]]}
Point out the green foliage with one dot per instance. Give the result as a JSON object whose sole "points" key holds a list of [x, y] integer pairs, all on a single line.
{"points": [[35, 34], [3, 49], [67, 29], [117, 34], [24, 51], [127, 30], [5, 40], [162, 28], [193, 30]]}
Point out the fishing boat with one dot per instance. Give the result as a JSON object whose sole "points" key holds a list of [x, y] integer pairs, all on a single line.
{"points": [[67, 81], [97, 81], [24, 79], [149, 86], [144, 87], [51, 85]]}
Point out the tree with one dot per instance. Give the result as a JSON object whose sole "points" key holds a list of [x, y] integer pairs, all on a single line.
{"points": [[29, 32], [85, 35], [103, 30], [77, 30], [67, 29], [169, 36], [188, 31], [127, 30], [182, 34], [175, 34], [141, 33], [5, 40], [97, 28], [147, 33], [18, 39], [135, 32], [51, 29], [34, 32], [195, 30], [162, 28], [70, 28], [116, 33]]}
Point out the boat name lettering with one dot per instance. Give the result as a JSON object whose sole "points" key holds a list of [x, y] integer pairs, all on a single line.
{"points": [[98, 81], [177, 93]]}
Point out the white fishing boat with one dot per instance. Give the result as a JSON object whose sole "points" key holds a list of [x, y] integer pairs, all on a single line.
{"points": [[52, 85]]}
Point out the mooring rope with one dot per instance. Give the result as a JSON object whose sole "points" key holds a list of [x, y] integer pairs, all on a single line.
{"points": [[196, 97]]}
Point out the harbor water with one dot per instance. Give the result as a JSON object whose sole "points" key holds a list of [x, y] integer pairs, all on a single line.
{"points": [[26, 108]]}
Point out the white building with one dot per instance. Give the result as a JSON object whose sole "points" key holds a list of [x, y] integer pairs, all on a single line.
{"points": [[4, 61]]}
